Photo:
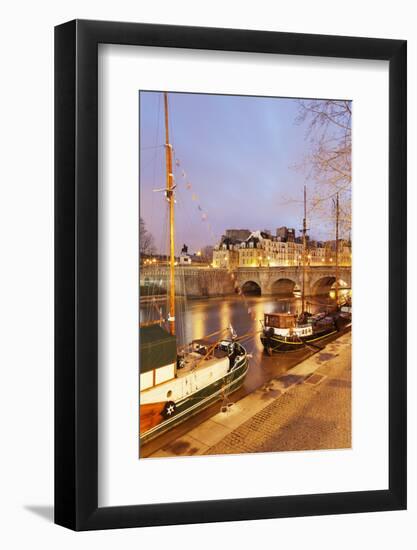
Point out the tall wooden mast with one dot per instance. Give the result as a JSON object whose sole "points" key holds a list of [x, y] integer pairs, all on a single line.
{"points": [[304, 231], [336, 287], [170, 186]]}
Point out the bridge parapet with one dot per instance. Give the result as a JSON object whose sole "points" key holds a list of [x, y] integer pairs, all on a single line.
{"points": [[208, 281]]}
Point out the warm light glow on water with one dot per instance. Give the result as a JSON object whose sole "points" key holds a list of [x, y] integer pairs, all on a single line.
{"points": [[197, 318]]}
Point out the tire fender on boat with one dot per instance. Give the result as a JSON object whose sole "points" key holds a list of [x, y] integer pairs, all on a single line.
{"points": [[169, 409]]}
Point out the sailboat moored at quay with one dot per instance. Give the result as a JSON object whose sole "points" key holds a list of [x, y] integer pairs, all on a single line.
{"points": [[286, 332], [178, 382]]}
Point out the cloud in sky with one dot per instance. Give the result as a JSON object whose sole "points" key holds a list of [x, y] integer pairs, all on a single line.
{"points": [[238, 154]]}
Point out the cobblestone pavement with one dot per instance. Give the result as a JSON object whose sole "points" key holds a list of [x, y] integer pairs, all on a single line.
{"points": [[315, 414]]}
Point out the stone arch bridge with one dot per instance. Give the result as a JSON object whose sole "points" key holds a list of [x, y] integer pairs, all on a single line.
{"points": [[204, 281]]}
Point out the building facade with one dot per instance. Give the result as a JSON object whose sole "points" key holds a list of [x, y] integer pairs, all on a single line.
{"points": [[226, 254], [284, 249]]}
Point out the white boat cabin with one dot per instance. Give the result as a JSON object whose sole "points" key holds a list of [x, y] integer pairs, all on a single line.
{"points": [[163, 377], [158, 356], [285, 324]]}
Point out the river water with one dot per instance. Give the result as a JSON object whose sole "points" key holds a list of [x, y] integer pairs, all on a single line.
{"points": [[198, 318]]}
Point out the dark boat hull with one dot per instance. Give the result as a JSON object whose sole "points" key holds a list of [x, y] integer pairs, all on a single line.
{"points": [[277, 344]]}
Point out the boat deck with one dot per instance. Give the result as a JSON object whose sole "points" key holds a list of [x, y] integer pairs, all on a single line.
{"points": [[193, 359]]}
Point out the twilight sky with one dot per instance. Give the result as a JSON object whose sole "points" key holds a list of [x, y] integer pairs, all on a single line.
{"points": [[238, 155]]}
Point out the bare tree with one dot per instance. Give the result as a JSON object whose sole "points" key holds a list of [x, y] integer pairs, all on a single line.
{"points": [[329, 162], [146, 240]]}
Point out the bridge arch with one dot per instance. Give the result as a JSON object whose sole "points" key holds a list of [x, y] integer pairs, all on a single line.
{"points": [[251, 288], [325, 284], [284, 286]]}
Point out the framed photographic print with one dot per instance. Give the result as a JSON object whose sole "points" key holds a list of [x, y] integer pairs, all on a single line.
{"points": [[230, 275]]}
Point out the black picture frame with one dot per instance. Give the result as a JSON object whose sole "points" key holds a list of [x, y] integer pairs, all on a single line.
{"points": [[76, 272]]}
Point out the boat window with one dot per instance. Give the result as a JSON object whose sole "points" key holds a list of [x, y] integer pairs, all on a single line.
{"points": [[169, 393], [146, 380]]}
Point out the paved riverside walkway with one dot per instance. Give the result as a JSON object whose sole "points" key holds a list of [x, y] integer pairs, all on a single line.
{"points": [[309, 407]]}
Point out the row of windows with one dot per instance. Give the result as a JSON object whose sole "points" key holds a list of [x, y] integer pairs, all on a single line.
{"points": [[271, 246]]}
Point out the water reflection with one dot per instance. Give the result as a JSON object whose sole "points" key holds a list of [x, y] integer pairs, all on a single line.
{"points": [[198, 318]]}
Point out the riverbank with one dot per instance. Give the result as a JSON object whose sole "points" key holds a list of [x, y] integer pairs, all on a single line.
{"points": [[308, 407], [202, 317]]}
